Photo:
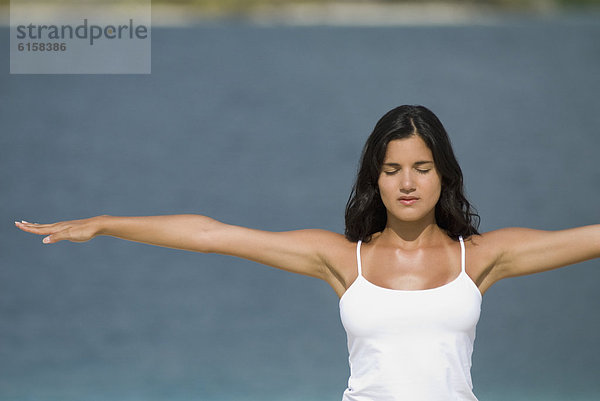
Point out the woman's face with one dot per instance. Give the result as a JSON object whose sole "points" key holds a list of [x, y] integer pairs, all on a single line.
{"points": [[409, 183]]}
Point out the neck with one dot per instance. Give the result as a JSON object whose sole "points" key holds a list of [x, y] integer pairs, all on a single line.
{"points": [[409, 234]]}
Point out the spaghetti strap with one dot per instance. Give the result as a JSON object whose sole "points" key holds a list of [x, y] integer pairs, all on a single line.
{"points": [[462, 254], [358, 257]]}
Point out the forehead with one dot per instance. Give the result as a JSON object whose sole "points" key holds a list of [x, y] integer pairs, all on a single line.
{"points": [[407, 150]]}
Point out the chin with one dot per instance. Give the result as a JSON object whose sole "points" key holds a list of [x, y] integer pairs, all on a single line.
{"points": [[409, 218]]}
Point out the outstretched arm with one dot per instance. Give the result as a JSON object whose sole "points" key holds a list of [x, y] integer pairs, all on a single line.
{"points": [[525, 251], [303, 251]]}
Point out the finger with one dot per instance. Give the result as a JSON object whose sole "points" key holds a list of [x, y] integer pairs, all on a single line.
{"points": [[25, 227], [38, 230], [57, 236], [25, 223], [52, 238]]}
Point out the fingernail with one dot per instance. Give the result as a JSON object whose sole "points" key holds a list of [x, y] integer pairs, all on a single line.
{"points": [[46, 240], [23, 221]]}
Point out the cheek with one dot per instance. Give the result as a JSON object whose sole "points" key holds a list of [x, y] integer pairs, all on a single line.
{"points": [[381, 185], [434, 188], [385, 192], [437, 190]]}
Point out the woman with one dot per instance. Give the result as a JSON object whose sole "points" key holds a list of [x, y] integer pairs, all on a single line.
{"points": [[410, 270]]}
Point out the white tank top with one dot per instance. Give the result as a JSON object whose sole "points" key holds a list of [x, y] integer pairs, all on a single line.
{"points": [[410, 345]]}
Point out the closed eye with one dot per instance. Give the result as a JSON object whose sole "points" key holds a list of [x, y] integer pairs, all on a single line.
{"points": [[420, 171]]}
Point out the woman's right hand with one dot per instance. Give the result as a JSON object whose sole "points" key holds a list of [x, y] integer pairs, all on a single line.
{"points": [[72, 230]]}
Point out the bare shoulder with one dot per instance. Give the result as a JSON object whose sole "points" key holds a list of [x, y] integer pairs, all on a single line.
{"points": [[503, 236], [487, 253], [493, 244], [483, 254], [337, 254], [521, 251], [340, 258], [314, 252]]}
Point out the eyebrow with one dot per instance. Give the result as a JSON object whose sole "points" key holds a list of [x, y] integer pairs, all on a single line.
{"points": [[419, 163]]}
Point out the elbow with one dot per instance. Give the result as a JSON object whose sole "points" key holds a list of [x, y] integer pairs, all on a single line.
{"points": [[205, 234]]}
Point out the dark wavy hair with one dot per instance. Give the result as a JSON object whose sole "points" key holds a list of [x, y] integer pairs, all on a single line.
{"points": [[365, 211]]}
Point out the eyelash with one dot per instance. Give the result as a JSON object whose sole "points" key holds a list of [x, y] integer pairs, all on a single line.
{"points": [[418, 171]]}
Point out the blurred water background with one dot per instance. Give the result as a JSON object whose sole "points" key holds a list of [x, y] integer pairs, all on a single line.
{"points": [[261, 124]]}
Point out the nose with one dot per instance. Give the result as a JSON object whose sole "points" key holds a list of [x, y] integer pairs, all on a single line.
{"points": [[407, 183]]}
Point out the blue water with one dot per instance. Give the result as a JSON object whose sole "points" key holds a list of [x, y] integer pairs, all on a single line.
{"points": [[263, 127]]}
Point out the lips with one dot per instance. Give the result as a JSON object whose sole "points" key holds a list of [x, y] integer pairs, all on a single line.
{"points": [[408, 200]]}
